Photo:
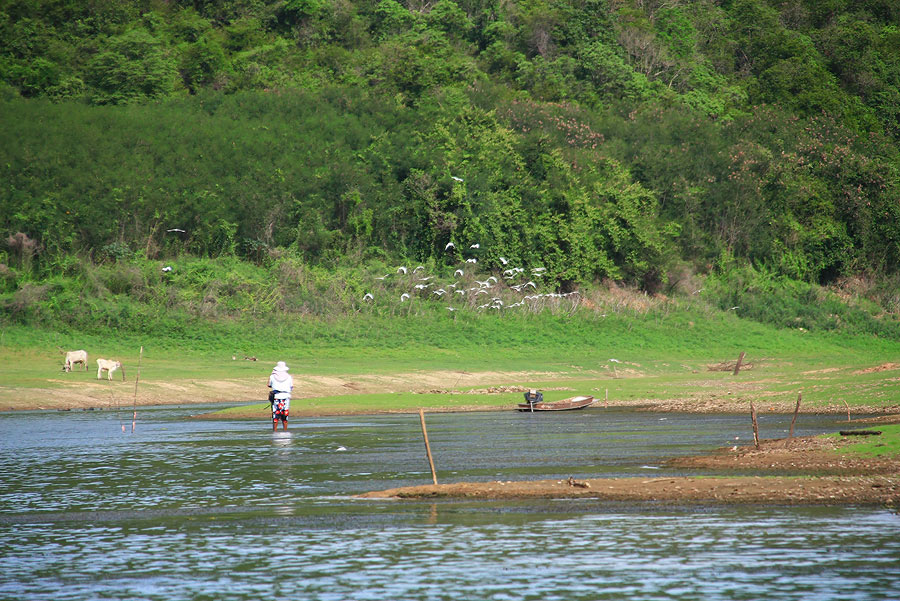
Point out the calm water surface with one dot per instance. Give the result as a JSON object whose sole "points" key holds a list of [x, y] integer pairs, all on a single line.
{"points": [[186, 509]]}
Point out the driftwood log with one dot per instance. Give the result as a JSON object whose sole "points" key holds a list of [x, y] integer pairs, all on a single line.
{"points": [[860, 432]]}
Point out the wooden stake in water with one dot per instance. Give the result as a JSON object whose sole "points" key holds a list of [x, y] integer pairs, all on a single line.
{"points": [[136, 380], [427, 446], [755, 425], [796, 410]]}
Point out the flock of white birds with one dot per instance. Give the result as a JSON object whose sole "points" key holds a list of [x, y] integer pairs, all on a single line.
{"points": [[468, 290]]}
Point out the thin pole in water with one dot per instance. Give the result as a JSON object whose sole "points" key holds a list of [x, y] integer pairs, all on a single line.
{"points": [[427, 446], [796, 410], [136, 380], [118, 413], [755, 425]]}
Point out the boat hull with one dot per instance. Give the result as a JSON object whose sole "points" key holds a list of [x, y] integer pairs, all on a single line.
{"points": [[570, 404]]}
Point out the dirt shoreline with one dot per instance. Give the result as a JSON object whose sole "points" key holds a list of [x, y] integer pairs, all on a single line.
{"points": [[78, 391], [777, 490], [805, 471]]}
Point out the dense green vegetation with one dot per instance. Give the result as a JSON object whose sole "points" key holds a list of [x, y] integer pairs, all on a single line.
{"points": [[748, 148]]}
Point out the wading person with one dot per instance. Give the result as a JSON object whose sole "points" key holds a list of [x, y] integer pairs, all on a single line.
{"points": [[281, 384]]}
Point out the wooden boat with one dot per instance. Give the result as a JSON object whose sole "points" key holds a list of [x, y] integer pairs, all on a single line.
{"points": [[575, 402]]}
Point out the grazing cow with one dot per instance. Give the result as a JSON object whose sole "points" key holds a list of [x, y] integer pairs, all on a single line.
{"points": [[110, 366], [73, 357]]}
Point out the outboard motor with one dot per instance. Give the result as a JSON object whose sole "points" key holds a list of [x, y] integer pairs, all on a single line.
{"points": [[534, 396]]}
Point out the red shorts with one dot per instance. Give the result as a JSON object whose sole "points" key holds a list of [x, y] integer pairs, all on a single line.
{"points": [[280, 410]]}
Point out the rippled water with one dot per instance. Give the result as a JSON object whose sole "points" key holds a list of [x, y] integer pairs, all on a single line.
{"points": [[187, 509]]}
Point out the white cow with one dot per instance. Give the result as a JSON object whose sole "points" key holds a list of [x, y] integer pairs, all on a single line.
{"points": [[110, 366], [73, 357]]}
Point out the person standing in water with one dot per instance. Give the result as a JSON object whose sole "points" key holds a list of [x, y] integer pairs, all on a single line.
{"points": [[281, 384]]}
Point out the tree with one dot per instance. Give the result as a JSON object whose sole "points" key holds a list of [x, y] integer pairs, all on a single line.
{"points": [[135, 67]]}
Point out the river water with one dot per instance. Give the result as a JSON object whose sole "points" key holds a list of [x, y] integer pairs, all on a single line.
{"points": [[195, 509]]}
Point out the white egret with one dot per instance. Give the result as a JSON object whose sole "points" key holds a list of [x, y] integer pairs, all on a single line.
{"points": [[368, 296], [402, 270], [458, 273], [404, 297], [471, 260], [449, 246]]}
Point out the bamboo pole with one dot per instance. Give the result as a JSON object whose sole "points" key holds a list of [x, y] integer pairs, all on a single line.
{"points": [[755, 425], [136, 380], [737, 366], [796, 410], [427, 446]]}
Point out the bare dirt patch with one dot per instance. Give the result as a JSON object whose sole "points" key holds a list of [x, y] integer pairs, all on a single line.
{"points": [[877, 368], [490, 390], [87, 393]]}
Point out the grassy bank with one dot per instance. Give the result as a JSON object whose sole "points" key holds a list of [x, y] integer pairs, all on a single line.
{"points": [[885, 445], [368, 361]]}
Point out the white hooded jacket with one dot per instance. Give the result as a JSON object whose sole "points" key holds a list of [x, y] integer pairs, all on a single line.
{"points": [[282, 383]]}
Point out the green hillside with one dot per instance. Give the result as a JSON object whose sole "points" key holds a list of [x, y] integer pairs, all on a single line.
{"points": [[282, 154]]}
